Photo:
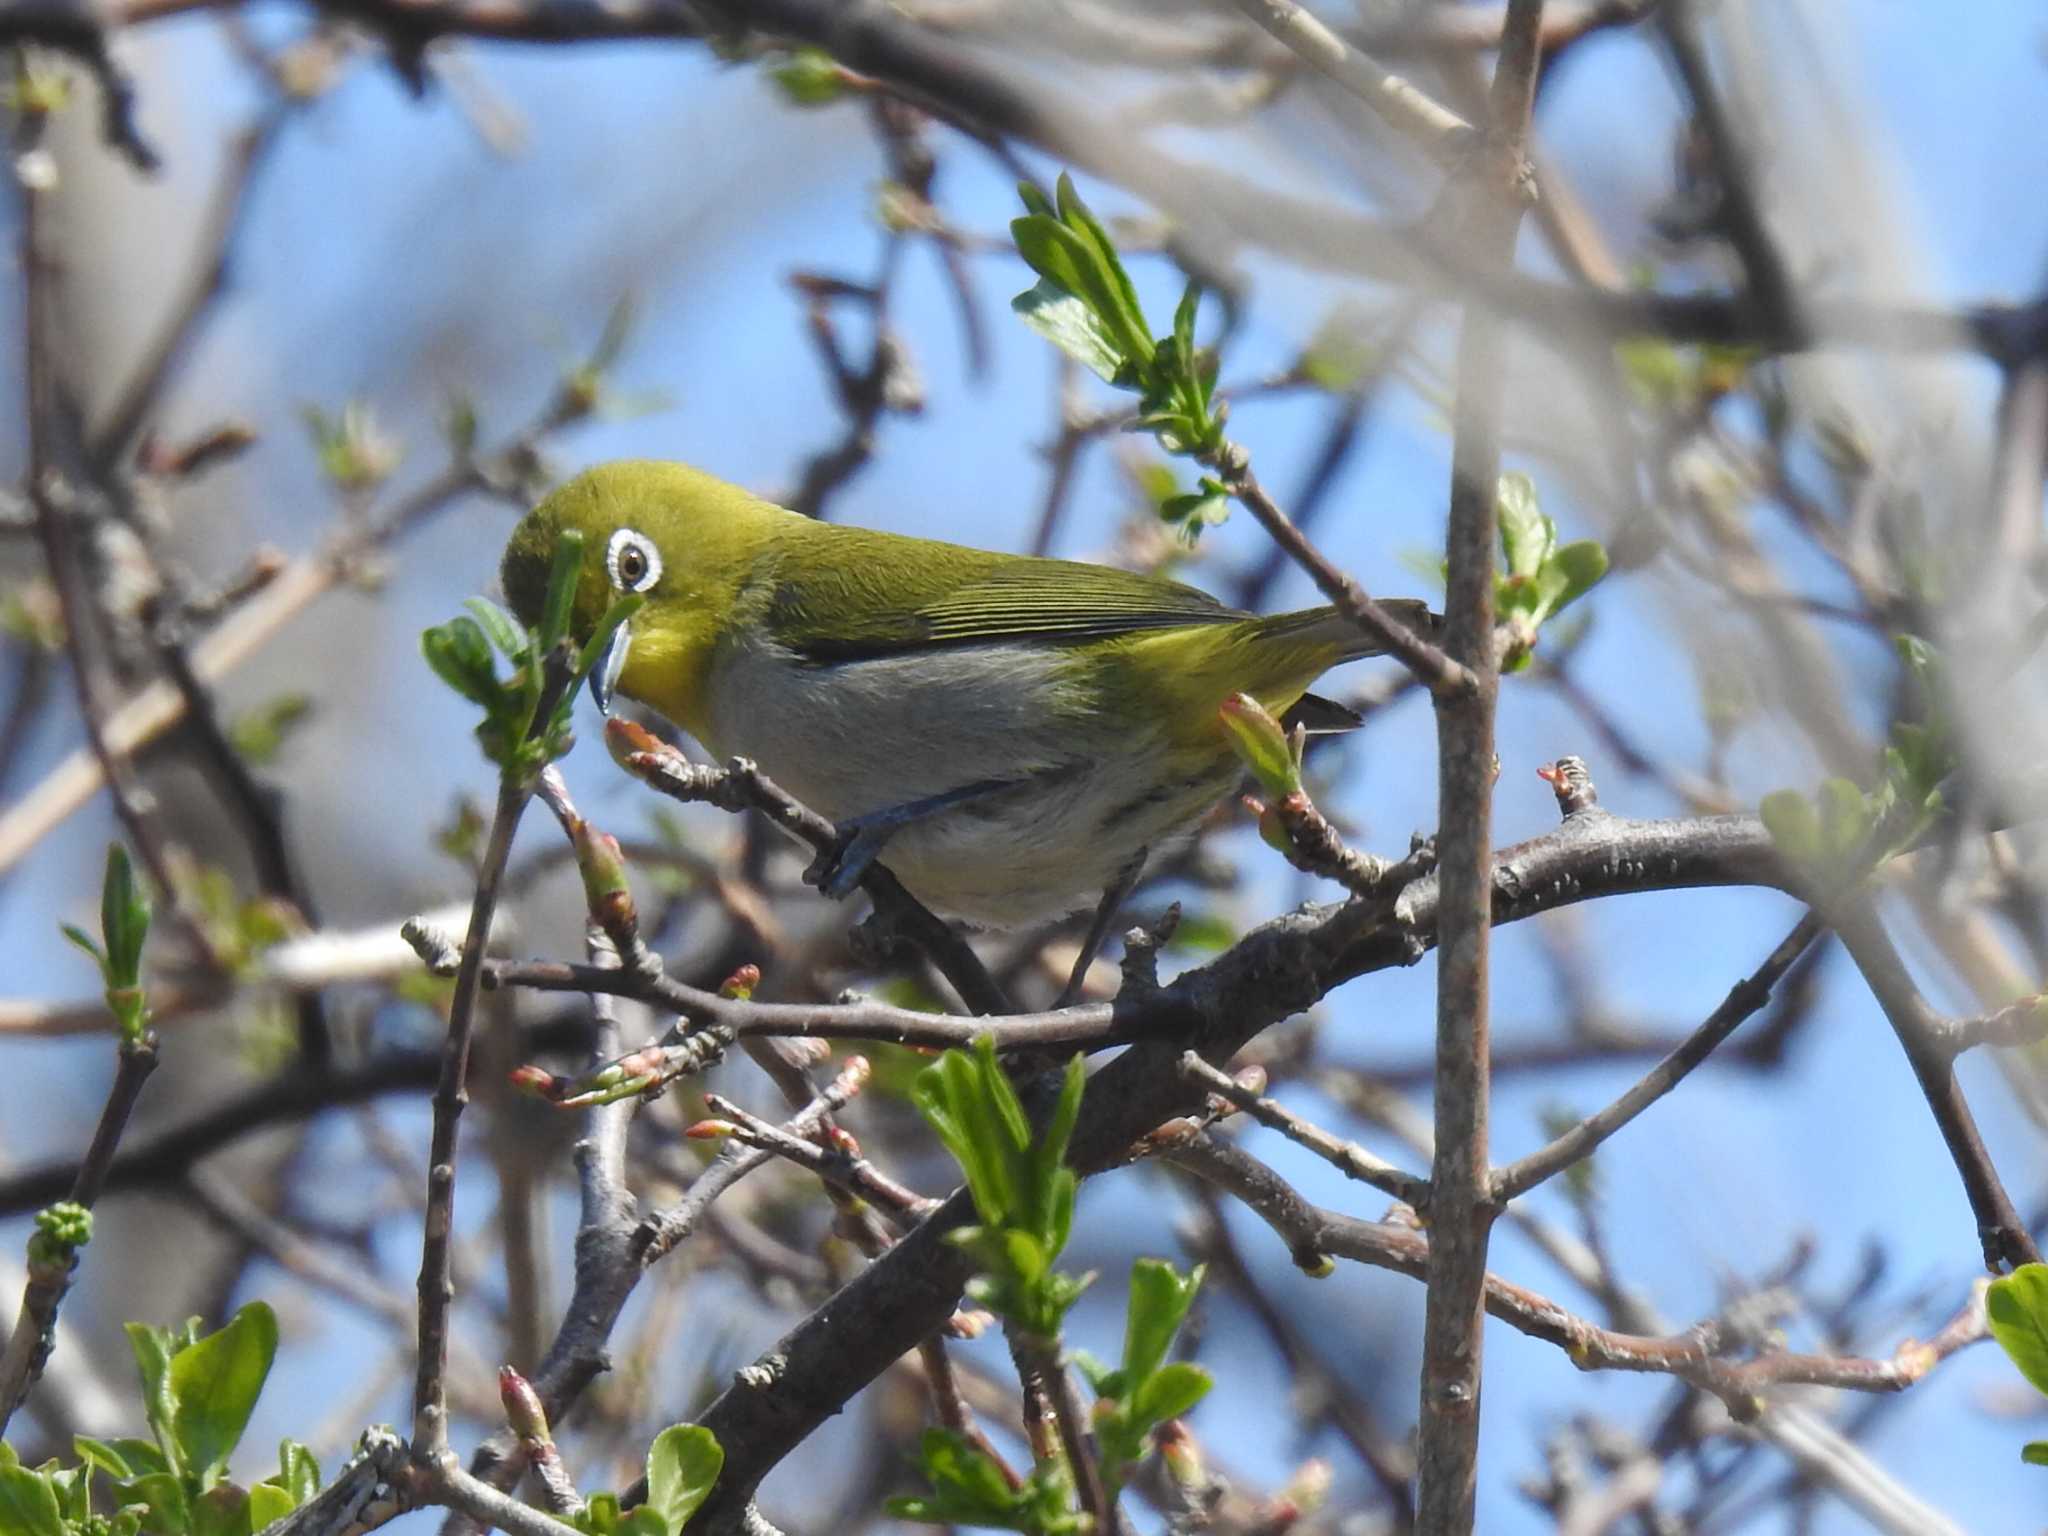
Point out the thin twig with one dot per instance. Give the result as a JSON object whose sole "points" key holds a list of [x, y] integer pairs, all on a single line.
{"points": [[1429, 123], [1743, 1000], [2004, 1234], [1348, 1157], [1698, 1356], [28, 1346]]}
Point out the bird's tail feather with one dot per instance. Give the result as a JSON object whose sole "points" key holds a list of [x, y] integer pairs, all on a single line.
{"points": [[1326, 626]]}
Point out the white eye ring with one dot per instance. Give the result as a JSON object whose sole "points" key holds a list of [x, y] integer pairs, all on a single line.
{"points": [[632, 561]]}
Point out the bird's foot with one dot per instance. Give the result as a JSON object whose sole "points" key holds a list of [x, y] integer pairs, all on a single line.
{"points": [[837, 870]]}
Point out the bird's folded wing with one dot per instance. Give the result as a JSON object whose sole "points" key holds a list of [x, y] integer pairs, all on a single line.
{"points": [[1051, 601]]}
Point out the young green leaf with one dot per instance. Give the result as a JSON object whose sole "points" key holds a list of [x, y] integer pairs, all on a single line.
{"points": [[2017, 1307], [124, 918], [1263, 744], [1169, 1392], [213, 1386], [1527, 536], [84, 941], [267, 1502], [1795, 830], [28, 1504], [561, 598], [1158, 1304], [505, 632], [298, 1471], [461, 657], [682, 1468], [1069, 324]]}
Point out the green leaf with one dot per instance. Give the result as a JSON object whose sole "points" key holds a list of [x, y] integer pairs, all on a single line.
{"points": [[1844, 817], [461, 657], [1572, 572], [1263, 744], [124, 918], [98, 1453], [561, 598], [970, 1486], [1789, 817], [1120, 294], [682, 1468], [1527, 537], [298, 1471], [28, 1504], [2017, 1307], [153, 1348], [1158, 1304], [78, 936], [2035, 1453], [167, 1512], [1035, 201], [1069, 324], [1074, 263], [1184, 320], [505, 632], [268, 1502], [1170, 1392], [213, 1386]]}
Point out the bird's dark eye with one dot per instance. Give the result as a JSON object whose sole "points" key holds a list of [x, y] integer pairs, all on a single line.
{"points": [[632, 560]]}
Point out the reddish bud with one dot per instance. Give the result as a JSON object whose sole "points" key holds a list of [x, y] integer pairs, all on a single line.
{"points": [[538, 1081], [969, 1323], [523, 1411], [711, 1130], [602, 864], [1181, 1453], [840, 1139], [633, 747], [740, 985]]}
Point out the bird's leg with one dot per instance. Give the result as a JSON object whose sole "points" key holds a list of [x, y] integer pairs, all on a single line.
{"points": [[838, 870], [1120, 887]]}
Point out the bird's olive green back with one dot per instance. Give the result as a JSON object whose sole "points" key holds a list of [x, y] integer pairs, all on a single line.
{"points": [[735, 565]]}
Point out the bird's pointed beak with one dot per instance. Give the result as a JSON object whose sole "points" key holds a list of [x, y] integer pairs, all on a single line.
{"points": [[605, 675]]}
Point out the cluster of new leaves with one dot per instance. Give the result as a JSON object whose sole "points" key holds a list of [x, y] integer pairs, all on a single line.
{"points": [[1086, 305], [197, 1394], [683, 1465], [124, 927], [1542, 577], [2016, 1306], [1145, 1390], [526, 714], [1024, 1193], [1844, 830]]}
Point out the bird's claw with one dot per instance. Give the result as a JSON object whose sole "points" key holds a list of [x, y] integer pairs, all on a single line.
{"points": [[837, 870]]}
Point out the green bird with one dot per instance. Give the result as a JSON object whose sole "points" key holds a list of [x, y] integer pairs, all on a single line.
{"points": [[1009, 734]]}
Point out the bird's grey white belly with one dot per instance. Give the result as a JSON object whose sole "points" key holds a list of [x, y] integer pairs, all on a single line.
{"points": [[855, 738]]}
